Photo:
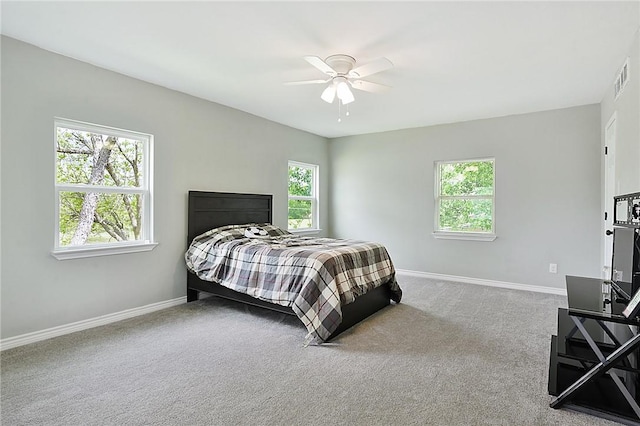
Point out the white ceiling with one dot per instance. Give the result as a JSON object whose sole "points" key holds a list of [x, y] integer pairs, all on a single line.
{"points": [[454, 61]]}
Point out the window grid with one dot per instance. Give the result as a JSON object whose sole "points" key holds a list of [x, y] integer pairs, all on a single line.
{"points": [[312, 198], [440, 197], [144, 204]]}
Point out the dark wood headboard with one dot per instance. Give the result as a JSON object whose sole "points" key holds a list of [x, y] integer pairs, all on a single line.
{"points": [[208, 210]]}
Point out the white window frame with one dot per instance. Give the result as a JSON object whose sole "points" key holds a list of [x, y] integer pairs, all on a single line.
{"points": [[314, 198], [461, 235], [146, 241]]}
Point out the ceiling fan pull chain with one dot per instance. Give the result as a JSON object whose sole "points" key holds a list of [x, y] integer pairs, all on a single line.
{"points": [[339, 111]]}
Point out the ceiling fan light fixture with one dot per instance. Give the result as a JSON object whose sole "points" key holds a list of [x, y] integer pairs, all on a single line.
{"points": [[329, 94], [344, 93], [343, 73]]}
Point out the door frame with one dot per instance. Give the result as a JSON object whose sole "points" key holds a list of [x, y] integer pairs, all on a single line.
{"points": [[609, 190]]}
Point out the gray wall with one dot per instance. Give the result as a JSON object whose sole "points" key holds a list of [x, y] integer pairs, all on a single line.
{"points": [[627, 152], [381, 188], [547, 195], [627, 109], [198, 145]]}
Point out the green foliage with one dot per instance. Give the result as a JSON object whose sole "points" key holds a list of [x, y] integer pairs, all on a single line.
{"points": [[466, 215], [118, 215], [300, 185], [111, 221], [467, 188], [472, 178], [300, 181], [300, 214], [70, 205], [75, 152]]}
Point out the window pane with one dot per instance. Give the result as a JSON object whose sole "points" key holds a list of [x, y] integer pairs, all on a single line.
{"points": [[466, 215], [300, 181], [116, 217], [98, 159], [467, 178], [300, 216]]}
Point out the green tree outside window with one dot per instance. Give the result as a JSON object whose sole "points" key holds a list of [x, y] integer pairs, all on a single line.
{"points": [[465, 196], [302, 202], [100, 183]]}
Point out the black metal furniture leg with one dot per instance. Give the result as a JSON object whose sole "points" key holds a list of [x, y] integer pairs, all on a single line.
{"points": [[604, 366], [192, 295]]}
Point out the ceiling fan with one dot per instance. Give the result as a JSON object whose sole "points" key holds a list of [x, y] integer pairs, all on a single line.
{"points": [[343, 75]]}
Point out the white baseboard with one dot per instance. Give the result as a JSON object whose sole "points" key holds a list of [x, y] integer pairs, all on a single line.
{"points": [[480, 281], [36, 336]]}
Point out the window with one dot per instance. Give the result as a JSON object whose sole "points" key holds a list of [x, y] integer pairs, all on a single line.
{"points": [[465, 203], [103, 190], [303, 196]]}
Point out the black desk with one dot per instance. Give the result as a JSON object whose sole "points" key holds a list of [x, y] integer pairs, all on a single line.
{"points": [[594, 360]]}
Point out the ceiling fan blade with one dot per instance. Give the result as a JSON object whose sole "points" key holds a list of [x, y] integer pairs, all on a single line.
{"points": [[368, 86], [378, 65], [321, 65], [296, 83]]}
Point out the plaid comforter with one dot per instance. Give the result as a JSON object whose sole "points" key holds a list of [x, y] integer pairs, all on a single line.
{"points": [[313, 276]]}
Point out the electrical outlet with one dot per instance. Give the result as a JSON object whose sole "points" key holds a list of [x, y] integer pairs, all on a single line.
{"points": [[617, 275], [553, 268]]}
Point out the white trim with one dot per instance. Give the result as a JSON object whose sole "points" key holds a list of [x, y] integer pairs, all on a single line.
{"points": [[145, 241], [82, 187], [481, 281], [305, 231], [314, 198], [437, 197], [24, 339], [302, 198], [470, 236], [93, 127], [101, 250], [609, 190]]}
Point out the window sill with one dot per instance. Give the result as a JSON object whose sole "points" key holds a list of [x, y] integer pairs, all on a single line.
{"points": [[469, 236], [103, 250], [305, 231]]}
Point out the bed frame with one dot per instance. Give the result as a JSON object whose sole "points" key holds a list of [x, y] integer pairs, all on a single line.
{"points": [[208, 210]]}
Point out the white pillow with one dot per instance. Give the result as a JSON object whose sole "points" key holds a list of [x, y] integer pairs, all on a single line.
{"points": [[254, 232]]}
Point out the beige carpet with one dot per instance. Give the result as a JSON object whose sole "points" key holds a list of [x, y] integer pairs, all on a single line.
{"points": [[449, 354]]}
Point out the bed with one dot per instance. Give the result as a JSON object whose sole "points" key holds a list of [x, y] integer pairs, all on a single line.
{"points": [[218, 211]]}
